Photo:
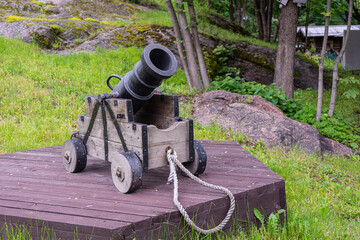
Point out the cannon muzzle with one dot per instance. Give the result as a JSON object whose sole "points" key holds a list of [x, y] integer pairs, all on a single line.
{"points": [[157, 64]]}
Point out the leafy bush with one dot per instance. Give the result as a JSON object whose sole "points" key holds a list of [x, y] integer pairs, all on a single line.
{"points": [[270, 93], [337, 127]]}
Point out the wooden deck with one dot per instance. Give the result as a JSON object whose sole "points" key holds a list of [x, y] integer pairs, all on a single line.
{"points": [[36, 190]]}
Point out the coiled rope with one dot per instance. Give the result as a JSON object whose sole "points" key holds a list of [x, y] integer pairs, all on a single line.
{"points": [[172, 159]]}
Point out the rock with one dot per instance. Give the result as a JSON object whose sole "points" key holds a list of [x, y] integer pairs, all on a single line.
{"points": [[259, 119]]}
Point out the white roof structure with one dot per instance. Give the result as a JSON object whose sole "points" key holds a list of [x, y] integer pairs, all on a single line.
{"points": [[334, 30]]}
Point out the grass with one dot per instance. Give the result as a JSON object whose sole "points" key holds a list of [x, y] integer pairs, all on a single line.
{"points": [[41, 96], [156, 17]]}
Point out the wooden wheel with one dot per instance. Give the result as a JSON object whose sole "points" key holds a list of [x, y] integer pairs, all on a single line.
{"points": [[126, 171], [197, 166], [74, 155]]}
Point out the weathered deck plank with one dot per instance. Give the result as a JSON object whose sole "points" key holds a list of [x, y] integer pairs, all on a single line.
{"points": [[36, 190]]}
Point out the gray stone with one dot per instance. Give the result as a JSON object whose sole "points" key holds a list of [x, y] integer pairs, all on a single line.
{"points": [[259, 119]]}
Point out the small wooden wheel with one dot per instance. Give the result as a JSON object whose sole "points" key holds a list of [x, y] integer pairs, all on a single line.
{"points": [[197, 166], [74, 155], [126, 171]]}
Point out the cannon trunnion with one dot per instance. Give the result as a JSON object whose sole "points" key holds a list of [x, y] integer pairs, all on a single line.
{"points": [[132, 131]]}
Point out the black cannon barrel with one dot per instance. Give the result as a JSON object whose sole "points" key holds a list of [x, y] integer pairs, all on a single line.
{"points": [[157, 63]]}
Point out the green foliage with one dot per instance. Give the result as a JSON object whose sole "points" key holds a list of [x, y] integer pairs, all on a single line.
{"points": [[337, 127], [228, 79], [269, 93], [318, 12], [272, 226], [351, 93], [223, 54]]}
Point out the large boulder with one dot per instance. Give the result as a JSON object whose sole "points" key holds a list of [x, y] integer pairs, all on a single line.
{"points": [[259, 119]]}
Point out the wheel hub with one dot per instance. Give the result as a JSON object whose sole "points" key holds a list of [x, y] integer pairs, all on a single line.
{"points": [[120, 174], [67, 157]]}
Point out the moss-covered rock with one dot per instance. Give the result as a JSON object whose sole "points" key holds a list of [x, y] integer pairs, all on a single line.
{"points": [[47, 36]]}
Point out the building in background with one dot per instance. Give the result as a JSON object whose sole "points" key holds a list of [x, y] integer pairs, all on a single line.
{"points": [[316, 35]]}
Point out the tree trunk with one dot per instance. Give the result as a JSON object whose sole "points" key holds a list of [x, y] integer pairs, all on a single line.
{"points": [[243, 14], [269, 19], [179, 40], [189, 48], [264, 20], [258, 19], [238, 11], [208, 3], [284, 68], [232, 10], [308, 3], [276, 31], [321, 63], [337, 60], [195, 34]]}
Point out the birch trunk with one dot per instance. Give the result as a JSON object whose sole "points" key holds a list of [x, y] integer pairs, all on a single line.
{"points": [[321, 63], [307, 22], [195, 34], [337, 60], [189, 48], [179, 40]]}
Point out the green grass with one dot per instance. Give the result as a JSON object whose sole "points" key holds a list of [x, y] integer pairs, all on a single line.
{"points": [[41, 96], [156, 17]]}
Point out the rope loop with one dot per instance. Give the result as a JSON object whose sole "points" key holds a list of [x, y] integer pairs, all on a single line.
{"points": [[173, 161]]}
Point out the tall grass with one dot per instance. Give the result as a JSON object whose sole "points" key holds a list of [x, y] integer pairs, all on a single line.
{"points": [[41, 96]]}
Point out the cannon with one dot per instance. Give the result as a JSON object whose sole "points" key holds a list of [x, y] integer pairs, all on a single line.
{"points": [[132, 126]]}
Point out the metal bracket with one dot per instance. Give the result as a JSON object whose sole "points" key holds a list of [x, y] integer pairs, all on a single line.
{"points": [[145, 147], [176, 106], [120, 115]]}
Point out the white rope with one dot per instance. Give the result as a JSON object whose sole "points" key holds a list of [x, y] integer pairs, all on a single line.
{"points": [[172, 159]]}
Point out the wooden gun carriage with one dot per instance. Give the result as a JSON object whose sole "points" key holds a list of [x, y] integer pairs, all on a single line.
{"points": [[135, 125]]}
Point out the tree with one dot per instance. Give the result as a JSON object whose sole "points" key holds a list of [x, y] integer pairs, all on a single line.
{"points": [[241, 12], [179, 45], [308, 4], [188, 44], [195, 34], [263, 10], [321, 63], [356, 6], [337, 60], [284, 67]]}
